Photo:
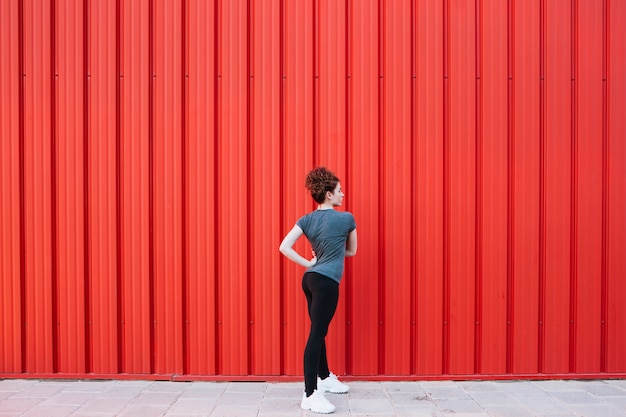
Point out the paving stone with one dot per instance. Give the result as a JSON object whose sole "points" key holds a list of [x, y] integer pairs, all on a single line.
{"points": [[479, 386], [556, 385], [509, 411], [50, 411], [90, 398], [241, 399], [419, 409], [205, 390], [543, 406], [11, 405], [374, 407], [234, 411], [459, 406], [255, 387], [287, 390], [577, 397], [192, 407], [143, 411], [280, 406], [15, 385], [64, 398], [155, 398], [103, 405], [446, 392], [489, 398], [522, 389], [40, 390], [601, 389], [167, 387], [597, 410]]}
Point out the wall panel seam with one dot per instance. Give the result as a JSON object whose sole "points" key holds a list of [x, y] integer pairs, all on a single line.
{"points": [[118, 187], [183, 188], [250, 291], [542, 188], [86, 200], [605, 188], [348, 152], [510, 184], [574, 191], [53, 184], [383, 169], [446, 188], [22, 186], [151, 183]]}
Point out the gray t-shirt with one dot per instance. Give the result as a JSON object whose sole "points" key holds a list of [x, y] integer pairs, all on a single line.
{"points": [[328, 230]]}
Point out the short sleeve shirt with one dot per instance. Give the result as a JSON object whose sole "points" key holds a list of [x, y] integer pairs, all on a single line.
{"points": [[328, 230]]}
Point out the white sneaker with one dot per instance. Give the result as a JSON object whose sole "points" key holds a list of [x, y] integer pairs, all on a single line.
{"points": [[317, 403], [332, 384]]}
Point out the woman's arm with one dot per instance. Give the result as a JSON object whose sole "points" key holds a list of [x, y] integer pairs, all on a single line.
{"points": [[351, 244], [286, 248]]}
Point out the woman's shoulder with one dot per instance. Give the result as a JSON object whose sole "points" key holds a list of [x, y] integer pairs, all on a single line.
{"points": [[346, 215]]}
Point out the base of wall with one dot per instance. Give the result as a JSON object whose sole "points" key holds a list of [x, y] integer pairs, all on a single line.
{"points": [[293, 378]]}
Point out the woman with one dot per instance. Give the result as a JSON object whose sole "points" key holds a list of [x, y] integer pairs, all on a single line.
{"points": [[332, 235]]}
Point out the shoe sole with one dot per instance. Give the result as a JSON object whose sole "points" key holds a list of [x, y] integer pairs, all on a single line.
{"points": [[336, 392], [315, 411]]}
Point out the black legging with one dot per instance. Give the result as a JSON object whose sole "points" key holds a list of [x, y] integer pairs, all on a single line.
{"points": [[322, 294]]}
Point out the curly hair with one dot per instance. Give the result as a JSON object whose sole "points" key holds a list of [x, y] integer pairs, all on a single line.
{"points": [[319, 181]]}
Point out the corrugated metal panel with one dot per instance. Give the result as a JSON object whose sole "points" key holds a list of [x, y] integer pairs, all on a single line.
{"points": [[556, 267], [429, 179], [492, 190], [299, 19], [135, 225], [265, 172], [10, 202], [361, 290], [615, 203], [154, 153], [201, 261], [39, 346], [589, 139], [68, 159], [524, 164], [102, 189]]}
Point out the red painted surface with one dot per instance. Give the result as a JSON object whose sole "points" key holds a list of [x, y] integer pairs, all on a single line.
{"points": [[154, 153]]}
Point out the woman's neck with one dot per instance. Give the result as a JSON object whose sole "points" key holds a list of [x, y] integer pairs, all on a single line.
{"points": [[325, 206]]}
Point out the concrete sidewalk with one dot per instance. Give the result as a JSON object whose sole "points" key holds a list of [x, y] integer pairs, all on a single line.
{"points": [[85, 398]]}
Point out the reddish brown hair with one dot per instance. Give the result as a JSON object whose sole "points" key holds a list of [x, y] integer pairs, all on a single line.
{"points": [[319, 181]]}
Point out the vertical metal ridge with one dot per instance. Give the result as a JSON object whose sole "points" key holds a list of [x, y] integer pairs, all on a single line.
{"points": [[86, 167], [511, 186], [348, 107], [216, 185], [446, 188], [118, 186], [383, 170], [605, 197], [249, 191], [53, 190], [413, 188], [22, 186], [478, 254], [151, 81], [316, 84], [574, 192], [542, 187], [183, 189], [281, 175]]}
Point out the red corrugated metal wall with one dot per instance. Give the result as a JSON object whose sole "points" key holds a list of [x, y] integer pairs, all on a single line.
{"points": [[153, 156]]}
